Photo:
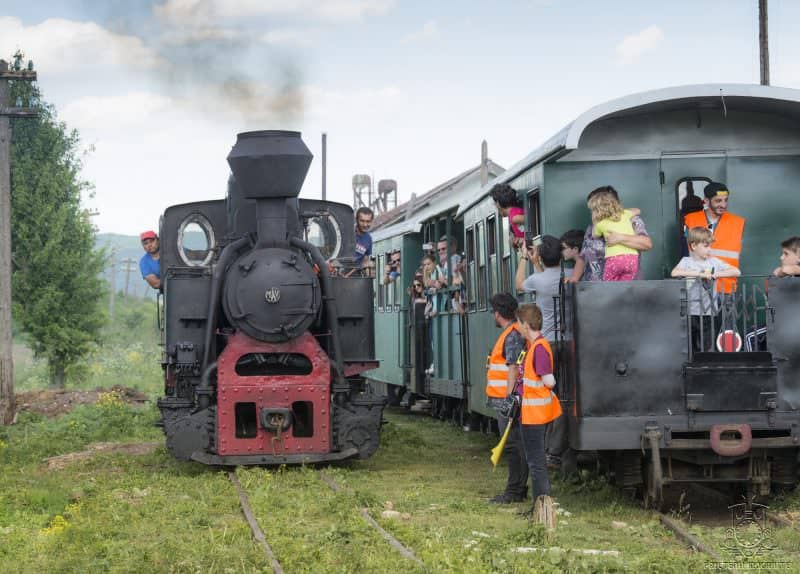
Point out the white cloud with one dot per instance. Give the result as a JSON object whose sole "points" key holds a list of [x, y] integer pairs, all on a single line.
{"points": [[359, 103], [109, 113], [289, 36], [632, 47], [430, 30], [63, 47]]}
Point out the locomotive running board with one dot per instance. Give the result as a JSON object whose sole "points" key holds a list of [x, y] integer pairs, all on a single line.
{"points": [[257, 459]]}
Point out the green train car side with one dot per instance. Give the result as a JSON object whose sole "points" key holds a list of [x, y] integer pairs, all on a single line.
{"points": [[652, 147]]}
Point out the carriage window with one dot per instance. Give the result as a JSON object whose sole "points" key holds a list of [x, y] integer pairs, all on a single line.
{"points": [[469, 278], [690, 195], [379, 287], [196, 241], [491, 242], [388, 288], [323, 232], [505, 249], [534, 213], [480, 249]]}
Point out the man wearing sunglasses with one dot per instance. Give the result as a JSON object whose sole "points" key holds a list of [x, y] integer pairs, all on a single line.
{"points": [[150, 263], [392, 268]]}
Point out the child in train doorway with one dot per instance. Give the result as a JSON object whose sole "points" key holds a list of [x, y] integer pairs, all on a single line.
{"points": [[608, 216], [508, 205], [790, 258], [701, 271]]}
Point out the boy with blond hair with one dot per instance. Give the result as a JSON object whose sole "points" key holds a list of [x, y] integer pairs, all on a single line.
{"points": [[701, 271], [790, 258]]}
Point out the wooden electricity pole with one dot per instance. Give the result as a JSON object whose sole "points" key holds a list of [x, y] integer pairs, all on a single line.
{"points": [[7, 406], [128, 266], [763, 41], [113, 282]]}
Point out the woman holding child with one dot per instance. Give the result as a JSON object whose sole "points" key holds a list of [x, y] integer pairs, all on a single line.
{"points": [[590, 262]]}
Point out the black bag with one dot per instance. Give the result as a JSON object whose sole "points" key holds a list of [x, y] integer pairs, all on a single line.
{"points": [[510, 406]]}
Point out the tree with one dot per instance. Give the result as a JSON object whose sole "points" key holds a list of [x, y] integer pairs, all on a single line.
{"points": [[56, 284]]}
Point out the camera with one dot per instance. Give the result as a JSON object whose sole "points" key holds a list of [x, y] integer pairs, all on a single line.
{"points": [[532, 240]]}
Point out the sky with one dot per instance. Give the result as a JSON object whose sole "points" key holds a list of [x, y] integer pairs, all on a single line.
{"points": [[405, 89]]}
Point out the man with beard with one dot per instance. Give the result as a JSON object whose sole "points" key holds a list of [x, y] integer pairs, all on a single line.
{"points": [[726, 228]]}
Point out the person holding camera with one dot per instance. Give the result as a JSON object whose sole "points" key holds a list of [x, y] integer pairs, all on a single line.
{"points": [[545, 254], [502, 378], [392, 268]]}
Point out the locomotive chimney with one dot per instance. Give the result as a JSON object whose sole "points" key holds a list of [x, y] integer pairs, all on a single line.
{"points": [[270, 167]]}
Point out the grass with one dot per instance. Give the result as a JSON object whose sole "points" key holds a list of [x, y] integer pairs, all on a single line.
{"points": [[150, 513]]}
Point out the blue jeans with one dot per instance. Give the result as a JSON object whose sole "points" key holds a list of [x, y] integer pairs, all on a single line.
{"points": [[533, 443]]}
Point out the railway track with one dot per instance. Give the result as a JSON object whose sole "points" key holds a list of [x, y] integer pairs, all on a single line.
{"points": [[711, 496], [260, 537]]}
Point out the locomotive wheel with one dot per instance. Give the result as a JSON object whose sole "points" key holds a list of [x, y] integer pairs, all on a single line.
{"points": [[627, 466]]}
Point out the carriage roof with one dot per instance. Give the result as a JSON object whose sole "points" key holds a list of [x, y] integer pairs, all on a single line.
{"points": [[457, 191], [781, 101]]}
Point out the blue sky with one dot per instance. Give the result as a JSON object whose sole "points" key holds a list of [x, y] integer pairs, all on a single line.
{"points": [[405, 90]]}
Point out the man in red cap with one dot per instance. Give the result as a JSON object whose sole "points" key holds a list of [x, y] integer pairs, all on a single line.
{"points": [[149, 264]]}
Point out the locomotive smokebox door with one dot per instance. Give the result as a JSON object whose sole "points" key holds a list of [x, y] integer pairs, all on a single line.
{"points": [[272, 294]]}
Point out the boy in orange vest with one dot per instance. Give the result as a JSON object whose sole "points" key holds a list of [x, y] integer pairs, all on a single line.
{"points": [[540, 405]]}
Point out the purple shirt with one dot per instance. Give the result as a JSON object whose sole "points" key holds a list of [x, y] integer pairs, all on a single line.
{"points": [[542, 364]]}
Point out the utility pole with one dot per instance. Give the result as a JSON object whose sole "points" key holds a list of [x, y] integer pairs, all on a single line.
{"points": [[324, 166], [7, 406], [763, 41], [128, 266], [113, 282]]}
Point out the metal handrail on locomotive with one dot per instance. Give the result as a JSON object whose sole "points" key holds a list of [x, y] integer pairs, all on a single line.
{"points": [[264, 344]]}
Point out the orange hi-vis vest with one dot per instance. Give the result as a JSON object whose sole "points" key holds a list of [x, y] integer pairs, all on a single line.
{"points": [[496, 368], [727, 244], [540, 405]]}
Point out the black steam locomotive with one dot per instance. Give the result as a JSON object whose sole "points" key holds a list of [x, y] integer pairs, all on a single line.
{"points": [[264, 344]]}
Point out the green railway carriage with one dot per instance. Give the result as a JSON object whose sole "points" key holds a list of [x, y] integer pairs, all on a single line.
{"points": [[411, 229], [627, 376]]}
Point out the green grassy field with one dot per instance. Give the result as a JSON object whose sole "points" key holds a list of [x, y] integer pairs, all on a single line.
{"points": [[150, 513]]}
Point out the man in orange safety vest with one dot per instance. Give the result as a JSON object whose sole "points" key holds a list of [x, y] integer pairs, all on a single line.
{"points": [[502, 378], [726, 228]]}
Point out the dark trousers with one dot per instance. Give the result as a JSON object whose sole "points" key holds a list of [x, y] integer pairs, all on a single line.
{"points": [[533, 443], [517, 484]]}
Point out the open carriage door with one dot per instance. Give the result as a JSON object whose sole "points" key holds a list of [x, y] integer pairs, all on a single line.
{"points": [[682, 175]]}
